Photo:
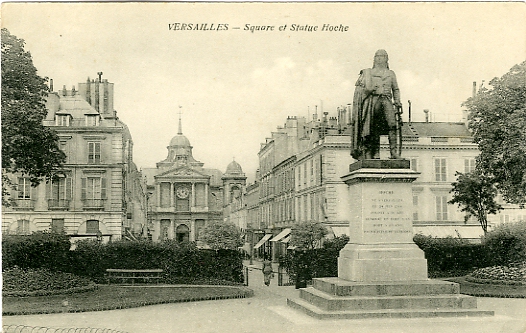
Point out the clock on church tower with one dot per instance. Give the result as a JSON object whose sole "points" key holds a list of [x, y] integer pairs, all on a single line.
{"points": [[182, 192]]}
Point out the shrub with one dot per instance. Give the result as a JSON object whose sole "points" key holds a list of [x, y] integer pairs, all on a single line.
{"points": [[41, 249], [37, 282], [315, 263], [507, 243]]}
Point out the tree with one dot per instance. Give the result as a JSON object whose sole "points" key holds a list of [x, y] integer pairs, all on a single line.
{"points": [[308, 235], [497, 118], [219, 235], [28, 146], [475, 194]]}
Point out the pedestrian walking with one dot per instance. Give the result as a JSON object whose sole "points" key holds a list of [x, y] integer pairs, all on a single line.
{"points": [[267, 271]]}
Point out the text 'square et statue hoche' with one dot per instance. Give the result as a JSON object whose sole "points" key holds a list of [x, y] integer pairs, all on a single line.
{"points": [[376, 110], [381, 271]]}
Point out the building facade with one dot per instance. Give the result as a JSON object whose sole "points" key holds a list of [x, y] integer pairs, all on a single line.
{"points": [[183, 196], [99, 192], [301, 166]]}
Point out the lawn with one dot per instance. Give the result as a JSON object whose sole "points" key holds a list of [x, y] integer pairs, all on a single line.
{"points": [[110, 297]]}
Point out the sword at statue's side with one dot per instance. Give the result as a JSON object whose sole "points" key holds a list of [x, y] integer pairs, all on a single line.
{"points": [[399, 112]]}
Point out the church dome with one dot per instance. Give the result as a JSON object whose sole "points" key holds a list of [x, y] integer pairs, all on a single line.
{"points": [[180, 140], [234, 168]]}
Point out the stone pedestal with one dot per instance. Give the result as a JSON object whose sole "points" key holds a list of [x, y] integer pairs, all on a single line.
{"points": [[381, 246], [381, 271]]}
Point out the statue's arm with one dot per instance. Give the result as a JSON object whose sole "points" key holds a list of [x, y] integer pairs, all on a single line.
{"points": [[396, 90]]}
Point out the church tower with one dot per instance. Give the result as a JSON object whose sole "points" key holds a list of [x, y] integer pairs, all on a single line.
{"points": [[234, 183]]}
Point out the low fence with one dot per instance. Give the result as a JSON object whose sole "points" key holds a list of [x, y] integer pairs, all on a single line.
{"points": [[284, 278], [37, 329], [245, 275]]}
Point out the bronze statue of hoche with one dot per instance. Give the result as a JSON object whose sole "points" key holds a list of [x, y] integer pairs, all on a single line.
{"points": [[376, 110]]}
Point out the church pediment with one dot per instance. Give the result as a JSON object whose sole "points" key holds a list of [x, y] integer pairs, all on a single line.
{"points": [[183, 172]]}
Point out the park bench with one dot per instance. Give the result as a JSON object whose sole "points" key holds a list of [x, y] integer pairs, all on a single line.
{"points": [[133, 275]]}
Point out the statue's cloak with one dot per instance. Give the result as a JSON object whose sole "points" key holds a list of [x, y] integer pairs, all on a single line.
{"points": [[363, 120]]}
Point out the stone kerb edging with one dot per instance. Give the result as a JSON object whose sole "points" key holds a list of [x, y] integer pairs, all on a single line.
{"points": [[27, 329], [491, 281]]}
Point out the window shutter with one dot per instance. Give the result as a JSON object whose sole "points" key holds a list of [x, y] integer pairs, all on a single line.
{"points": [[69, 188], [90, 152], [83, 189], [14, 191], [103, 188], [48, 190]]}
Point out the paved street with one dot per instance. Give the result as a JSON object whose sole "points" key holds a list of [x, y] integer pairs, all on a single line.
{"points": [[267, 312]]}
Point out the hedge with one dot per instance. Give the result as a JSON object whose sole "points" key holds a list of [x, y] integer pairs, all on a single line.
{"points": [[179, 261], [452, 256]]}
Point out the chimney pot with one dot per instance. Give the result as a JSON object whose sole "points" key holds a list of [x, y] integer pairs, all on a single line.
{"points": [[426, 111]]}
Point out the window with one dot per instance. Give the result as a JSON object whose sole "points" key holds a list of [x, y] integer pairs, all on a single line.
{"points": [[57, 225], [94, 152], [92, 120], [93, 191], [415, 207], [24, 188], [440, 170], [61, 189], [62, 120], [22, 227], [311, 162], [92, 226], [441, 208], [469, 165]]}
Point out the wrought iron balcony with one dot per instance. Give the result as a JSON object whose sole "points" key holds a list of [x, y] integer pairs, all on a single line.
{"points": [[23, 204], [93, 204], [58, 204]]}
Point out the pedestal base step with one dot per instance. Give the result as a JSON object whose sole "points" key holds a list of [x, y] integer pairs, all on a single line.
{"points": [[316, 312], [329, 302], [340, 287]]}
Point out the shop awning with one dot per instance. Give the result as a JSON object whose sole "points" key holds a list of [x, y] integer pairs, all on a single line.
{"points": [[286, 240], [263, 240], [281, 235]]}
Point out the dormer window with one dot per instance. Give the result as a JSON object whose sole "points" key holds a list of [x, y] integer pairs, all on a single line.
{"points": [[62, 119], [92, 120]]}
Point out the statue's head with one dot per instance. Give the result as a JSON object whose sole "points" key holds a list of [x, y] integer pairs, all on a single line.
{"points": [[381, 59]]}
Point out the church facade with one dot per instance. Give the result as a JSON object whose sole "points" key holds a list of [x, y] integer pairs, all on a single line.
{"points": [[183, 196]]}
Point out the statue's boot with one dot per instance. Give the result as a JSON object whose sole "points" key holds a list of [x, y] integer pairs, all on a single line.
{"points": [[393, 145]]}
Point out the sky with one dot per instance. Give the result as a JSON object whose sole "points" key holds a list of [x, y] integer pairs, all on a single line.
{"points": [[235, 86]]}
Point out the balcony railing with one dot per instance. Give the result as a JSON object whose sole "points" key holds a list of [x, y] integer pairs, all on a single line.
{"points": [[24, 204], [93, 204], [58, 204]]}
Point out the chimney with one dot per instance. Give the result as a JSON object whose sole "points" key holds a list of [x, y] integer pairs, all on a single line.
{"points": [[409, 112], [474, 89], [64, 91], [426, 111], [51, 85]]}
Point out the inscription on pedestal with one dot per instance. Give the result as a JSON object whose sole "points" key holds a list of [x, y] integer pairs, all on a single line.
{"points": [[386, 218]]}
